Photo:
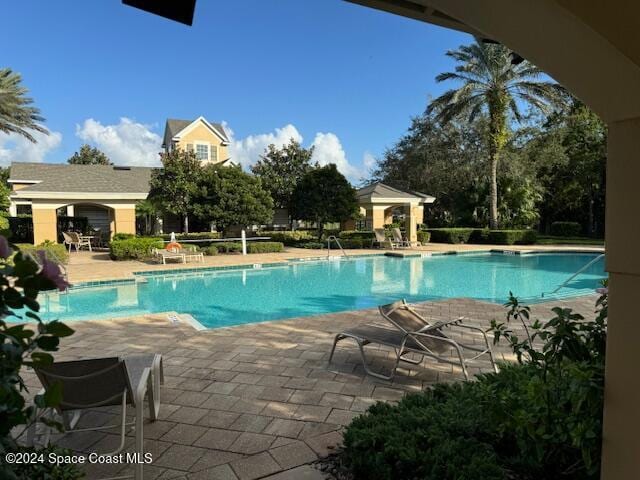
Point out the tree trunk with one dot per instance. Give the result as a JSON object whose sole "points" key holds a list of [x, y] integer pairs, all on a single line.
{"points": [[493, 194], [320, 229], [498, 102]]}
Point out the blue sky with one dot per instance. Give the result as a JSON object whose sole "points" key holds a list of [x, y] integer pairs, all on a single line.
{"points": [[340, 76]]}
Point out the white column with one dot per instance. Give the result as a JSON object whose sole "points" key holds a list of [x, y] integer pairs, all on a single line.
{"points": [[244, 242], [621, 444], [13, 209], [70, 211]]}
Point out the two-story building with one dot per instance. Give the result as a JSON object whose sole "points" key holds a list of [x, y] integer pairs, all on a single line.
{"points": [[105, 194]]}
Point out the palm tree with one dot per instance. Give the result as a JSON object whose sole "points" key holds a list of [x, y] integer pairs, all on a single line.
{"points": [[17, 115], [148, 211], [494, 83]]}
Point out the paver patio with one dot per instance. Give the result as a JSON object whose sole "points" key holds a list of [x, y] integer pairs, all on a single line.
{"points": [[258, 400]]}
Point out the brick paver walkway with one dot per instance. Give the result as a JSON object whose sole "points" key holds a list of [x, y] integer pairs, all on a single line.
{"points": [[254, 400]]}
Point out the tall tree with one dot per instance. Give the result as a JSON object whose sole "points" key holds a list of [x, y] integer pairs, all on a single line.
{"points": [[228, 196], [88, 155], [280, 170], [174, 186], [147, 210], [17, 114], [494, 84], [324, 195]]}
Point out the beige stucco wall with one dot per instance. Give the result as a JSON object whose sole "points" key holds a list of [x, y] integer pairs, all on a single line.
{"points": [[123, 215], [203, 134]]}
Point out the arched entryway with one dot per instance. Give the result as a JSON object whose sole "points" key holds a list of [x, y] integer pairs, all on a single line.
{"points": [[92, 219]]}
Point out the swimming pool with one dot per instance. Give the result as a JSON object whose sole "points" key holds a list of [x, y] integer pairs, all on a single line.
{"points": [[225, 297]]}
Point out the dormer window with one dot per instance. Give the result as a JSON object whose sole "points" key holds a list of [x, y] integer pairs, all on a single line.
{"points": [[202, 151]]}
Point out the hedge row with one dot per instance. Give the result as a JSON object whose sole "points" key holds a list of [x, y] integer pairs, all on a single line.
{"points": [[136, 248], [424, 237], [483, 236], [289, 238], [565, 229], [351, 234], [264, 247]]}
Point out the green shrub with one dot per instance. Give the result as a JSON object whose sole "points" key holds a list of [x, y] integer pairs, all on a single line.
{"points": [[229, 247], [504, 237], [289, 238], [4, 222], [136, 248], [313, 245], [264, 247], [424, 237], [352, 243], [450, 235], [482, 236], [431, 436], [361, 235], [123, 236], [55, 251], [211, 250], [565, 229]]}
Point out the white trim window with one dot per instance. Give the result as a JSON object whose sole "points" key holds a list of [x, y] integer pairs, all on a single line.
{"points": [[214, 153], [202, 151]]}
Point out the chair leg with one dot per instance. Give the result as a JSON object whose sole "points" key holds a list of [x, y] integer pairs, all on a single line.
{"points": [[139, 448]]}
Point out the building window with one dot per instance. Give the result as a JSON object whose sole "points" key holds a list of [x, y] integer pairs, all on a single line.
{"points": [[202, 152], [214, 153]]}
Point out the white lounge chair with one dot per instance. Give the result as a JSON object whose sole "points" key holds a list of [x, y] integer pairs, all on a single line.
{"points": [[105, 382], [163, 255], [381, 239], [411, 333]]}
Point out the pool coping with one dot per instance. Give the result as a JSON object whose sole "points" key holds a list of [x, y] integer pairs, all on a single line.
{"points": [[141, 276]]}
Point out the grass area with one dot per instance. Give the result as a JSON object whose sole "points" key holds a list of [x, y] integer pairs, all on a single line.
{"points": [[550, 240]]}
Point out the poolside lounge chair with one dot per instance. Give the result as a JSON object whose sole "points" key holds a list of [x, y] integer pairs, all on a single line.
{"points": [[105, 382], [402, 241], [163, 255], [75, 240], [411, 333], [381, 239], [191, 253]]}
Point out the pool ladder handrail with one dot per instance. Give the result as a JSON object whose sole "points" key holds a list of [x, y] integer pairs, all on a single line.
{"points": [[335, 239], [563, 284]]}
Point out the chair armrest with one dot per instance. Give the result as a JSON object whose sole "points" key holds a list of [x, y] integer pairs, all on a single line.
{"points": [[141, 388]]}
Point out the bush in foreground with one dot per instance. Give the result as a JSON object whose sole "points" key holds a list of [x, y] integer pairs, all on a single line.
{"points": [[538, 419]]}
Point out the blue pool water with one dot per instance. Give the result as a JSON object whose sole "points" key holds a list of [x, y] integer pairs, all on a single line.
{"points": [[219, 298]]}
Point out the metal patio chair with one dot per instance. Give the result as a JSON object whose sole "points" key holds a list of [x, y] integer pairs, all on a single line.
{"points": [[411, 333], [104, 382]]}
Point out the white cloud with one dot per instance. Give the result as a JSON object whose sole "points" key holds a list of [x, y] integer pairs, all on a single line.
{"points": [[369, 161], [247, 151], [328, 149], [14, 148], [125, 143]]}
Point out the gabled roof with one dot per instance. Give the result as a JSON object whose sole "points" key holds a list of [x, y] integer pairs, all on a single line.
{"points": [[65, 178], [174, 126], [379, 191]]}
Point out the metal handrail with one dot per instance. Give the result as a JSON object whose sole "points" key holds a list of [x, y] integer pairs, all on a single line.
{"points": [[335, 239], [563, 284]]}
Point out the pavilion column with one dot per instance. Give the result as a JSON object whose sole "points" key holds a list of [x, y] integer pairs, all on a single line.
{"points": [[621, 443], [125, 219], [45, 223], [375, 215], [411, 222]]}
